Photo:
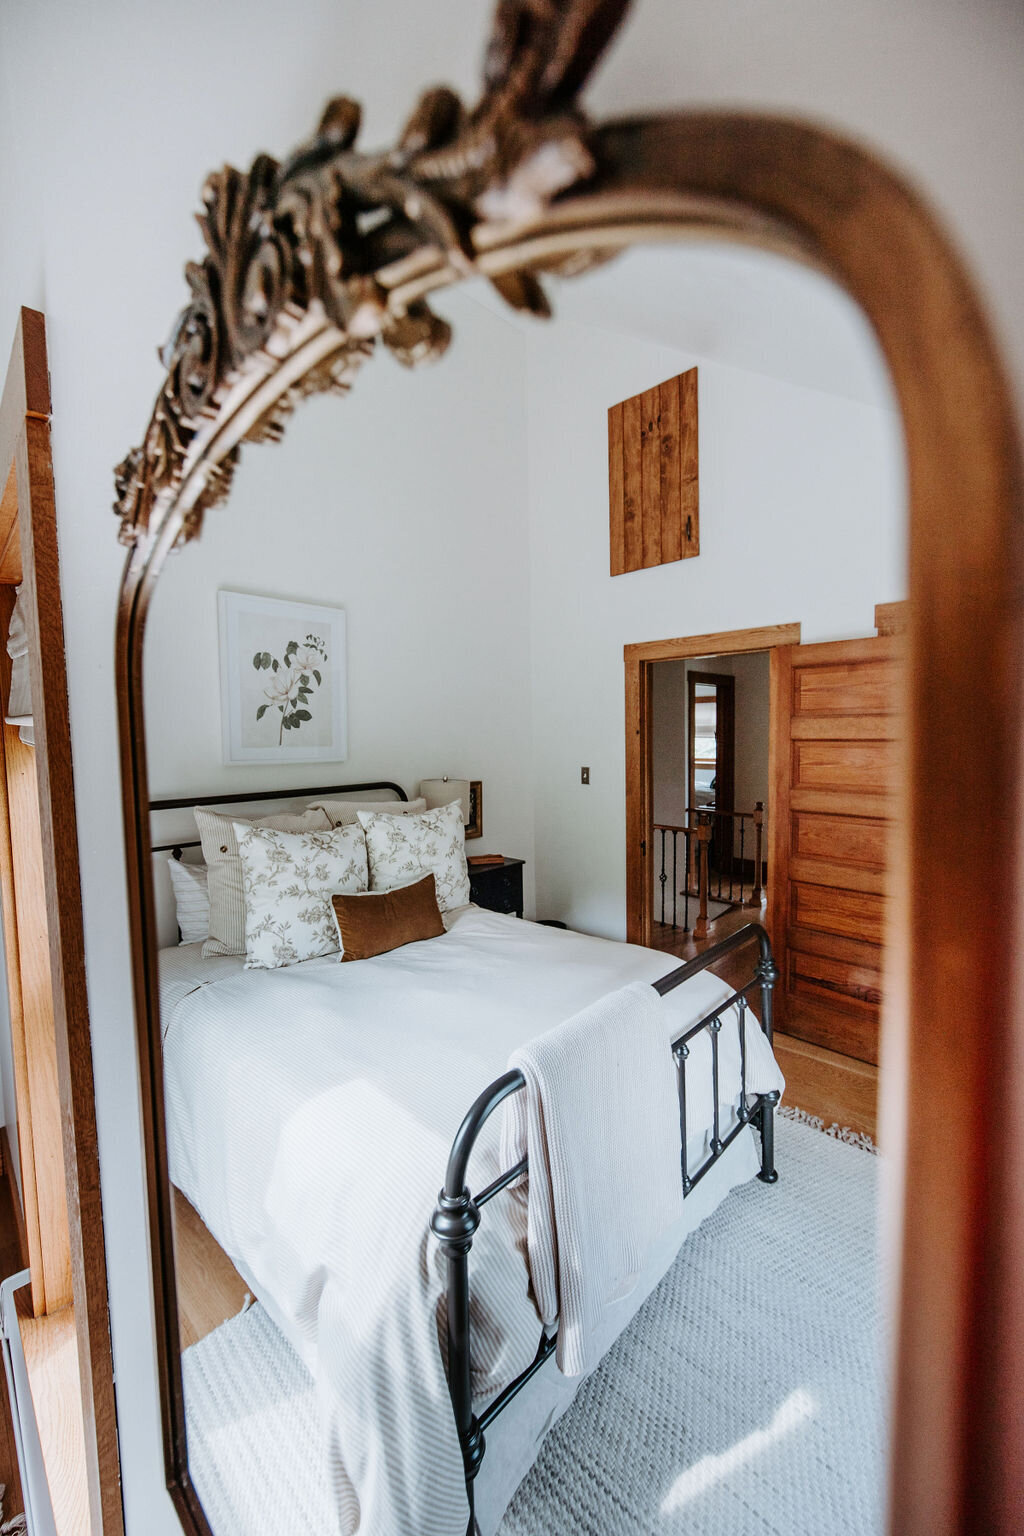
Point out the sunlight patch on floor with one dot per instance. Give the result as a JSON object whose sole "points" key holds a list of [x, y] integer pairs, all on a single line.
{"points": [[798, 1407]]}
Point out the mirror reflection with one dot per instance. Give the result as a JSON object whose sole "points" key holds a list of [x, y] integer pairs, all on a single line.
{"points": [[384, 714]]}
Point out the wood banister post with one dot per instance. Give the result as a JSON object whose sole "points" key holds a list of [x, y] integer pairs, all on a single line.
{"points": [[757, 894], [700, 927]]}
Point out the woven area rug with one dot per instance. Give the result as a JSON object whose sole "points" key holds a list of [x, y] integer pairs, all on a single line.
{"points": [[746, 1399]]}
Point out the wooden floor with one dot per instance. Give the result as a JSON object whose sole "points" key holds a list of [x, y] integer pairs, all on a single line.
{"points": [[10, 1264], [51, 1357], [838, 1088], [210, 1289]]}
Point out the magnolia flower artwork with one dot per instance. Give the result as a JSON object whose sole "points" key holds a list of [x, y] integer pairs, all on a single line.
{"points": [[283, 677], [293, 681]]}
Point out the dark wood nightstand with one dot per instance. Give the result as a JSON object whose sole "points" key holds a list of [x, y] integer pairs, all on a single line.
{"points": [[498, 887]]}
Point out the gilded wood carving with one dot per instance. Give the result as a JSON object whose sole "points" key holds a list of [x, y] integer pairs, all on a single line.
{"points": [[318, 231]]}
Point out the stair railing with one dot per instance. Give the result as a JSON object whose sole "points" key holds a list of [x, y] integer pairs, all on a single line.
{"points": [[698, 862]]}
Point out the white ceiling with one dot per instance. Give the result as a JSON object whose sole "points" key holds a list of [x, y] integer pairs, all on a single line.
{"points": [[730, 304]]}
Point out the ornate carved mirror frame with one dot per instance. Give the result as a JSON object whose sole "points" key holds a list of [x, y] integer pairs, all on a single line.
{"points": [[313, 263]]}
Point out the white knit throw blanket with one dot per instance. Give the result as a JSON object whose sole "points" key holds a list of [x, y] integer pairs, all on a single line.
{"points": [[599, 1121]]}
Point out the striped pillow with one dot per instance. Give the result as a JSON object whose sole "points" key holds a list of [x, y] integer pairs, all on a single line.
{"points": [[191, 899], [227, 892]]}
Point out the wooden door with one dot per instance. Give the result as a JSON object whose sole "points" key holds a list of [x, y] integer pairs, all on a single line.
{"points": [[41, 905], [834, 779]]}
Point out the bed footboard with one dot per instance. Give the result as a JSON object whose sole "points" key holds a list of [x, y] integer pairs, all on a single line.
{"points": [[457, 1214]]}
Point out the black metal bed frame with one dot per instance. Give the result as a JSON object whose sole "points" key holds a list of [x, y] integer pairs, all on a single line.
{"points": [[457, 1214], [251, 795]]}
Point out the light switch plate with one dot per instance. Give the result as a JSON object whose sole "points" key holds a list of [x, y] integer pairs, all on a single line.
{"points": [[584, 775]]}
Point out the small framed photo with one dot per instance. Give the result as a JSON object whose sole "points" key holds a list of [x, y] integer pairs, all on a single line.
{"points": [[283, 679], [475, 824]]}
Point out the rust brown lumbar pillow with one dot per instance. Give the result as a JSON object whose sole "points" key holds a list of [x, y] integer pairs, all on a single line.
{"points": [[374, 922]]}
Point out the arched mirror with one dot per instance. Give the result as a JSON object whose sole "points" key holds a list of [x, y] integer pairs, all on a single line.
{"points": [[406, 629]]}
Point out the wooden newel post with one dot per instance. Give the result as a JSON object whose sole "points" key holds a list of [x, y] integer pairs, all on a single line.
{"points": [[756, 895], [700, 927]]}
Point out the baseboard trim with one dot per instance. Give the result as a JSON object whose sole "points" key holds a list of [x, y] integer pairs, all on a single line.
{"points": [[840, 1090]]}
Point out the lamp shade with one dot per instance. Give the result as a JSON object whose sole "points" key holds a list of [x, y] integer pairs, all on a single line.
{"points": [[443, 791]]}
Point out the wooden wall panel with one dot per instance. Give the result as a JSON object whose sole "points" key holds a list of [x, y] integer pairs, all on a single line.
{"points": [[848, 986], [849, 914], [653, 482], [650, 476], [858, 767], [862, 688], [670, 468], [892, 618], [616, 491], [834, 778], [857, 840]]}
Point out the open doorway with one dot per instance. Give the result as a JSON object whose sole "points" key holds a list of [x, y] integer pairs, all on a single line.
{"points": [[709, 746], [805, 734]]}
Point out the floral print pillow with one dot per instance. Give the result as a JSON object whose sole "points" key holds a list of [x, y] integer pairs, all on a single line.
{"points": [[289, 879], [401, 849]]}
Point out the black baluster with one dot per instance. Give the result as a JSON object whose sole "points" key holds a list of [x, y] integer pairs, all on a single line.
{"points": [[686, 875], [682, 1054], [741, 1008], [716, 1135], [675, 879], [454, 1224], [743, 836], [662, 877], [732, 851], [767, 974]]}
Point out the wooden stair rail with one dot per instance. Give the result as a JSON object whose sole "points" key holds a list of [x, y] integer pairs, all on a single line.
{"points": [[700, 927]]}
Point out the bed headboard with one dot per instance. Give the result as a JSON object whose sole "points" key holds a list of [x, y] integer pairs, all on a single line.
{"points": [[173, 829]]}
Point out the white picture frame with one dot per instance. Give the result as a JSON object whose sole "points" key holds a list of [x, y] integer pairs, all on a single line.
{"points": [[283, 679]]}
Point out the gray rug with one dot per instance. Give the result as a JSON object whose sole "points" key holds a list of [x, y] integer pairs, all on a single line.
{"points": [[745, 1399]]}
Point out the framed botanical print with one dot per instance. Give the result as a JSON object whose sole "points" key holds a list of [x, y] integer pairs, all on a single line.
{"points": [[283, 671]]}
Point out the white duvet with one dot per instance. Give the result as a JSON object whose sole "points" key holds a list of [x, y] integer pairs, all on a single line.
{"points": [[310, 1111]]}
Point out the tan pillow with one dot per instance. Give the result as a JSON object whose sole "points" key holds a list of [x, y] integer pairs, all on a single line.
{"points": [[378, 921], [227, 891], [345, 813]]}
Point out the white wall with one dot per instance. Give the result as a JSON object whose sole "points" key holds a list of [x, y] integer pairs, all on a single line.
{"points": [[111, 115], [405, 505], [801, 520], [668, 742]]}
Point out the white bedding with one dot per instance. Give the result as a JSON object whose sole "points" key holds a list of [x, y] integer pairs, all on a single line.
{"points": [[310, 1111]]}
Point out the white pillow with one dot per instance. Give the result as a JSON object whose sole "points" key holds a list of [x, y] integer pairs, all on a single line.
{"points": [[345, 813], [220, 851], [191, 899], [290, 878], [401, 849]]}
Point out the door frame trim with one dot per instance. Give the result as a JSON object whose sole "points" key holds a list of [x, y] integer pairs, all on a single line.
{"points": [[25, 455], [638, 659]]}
